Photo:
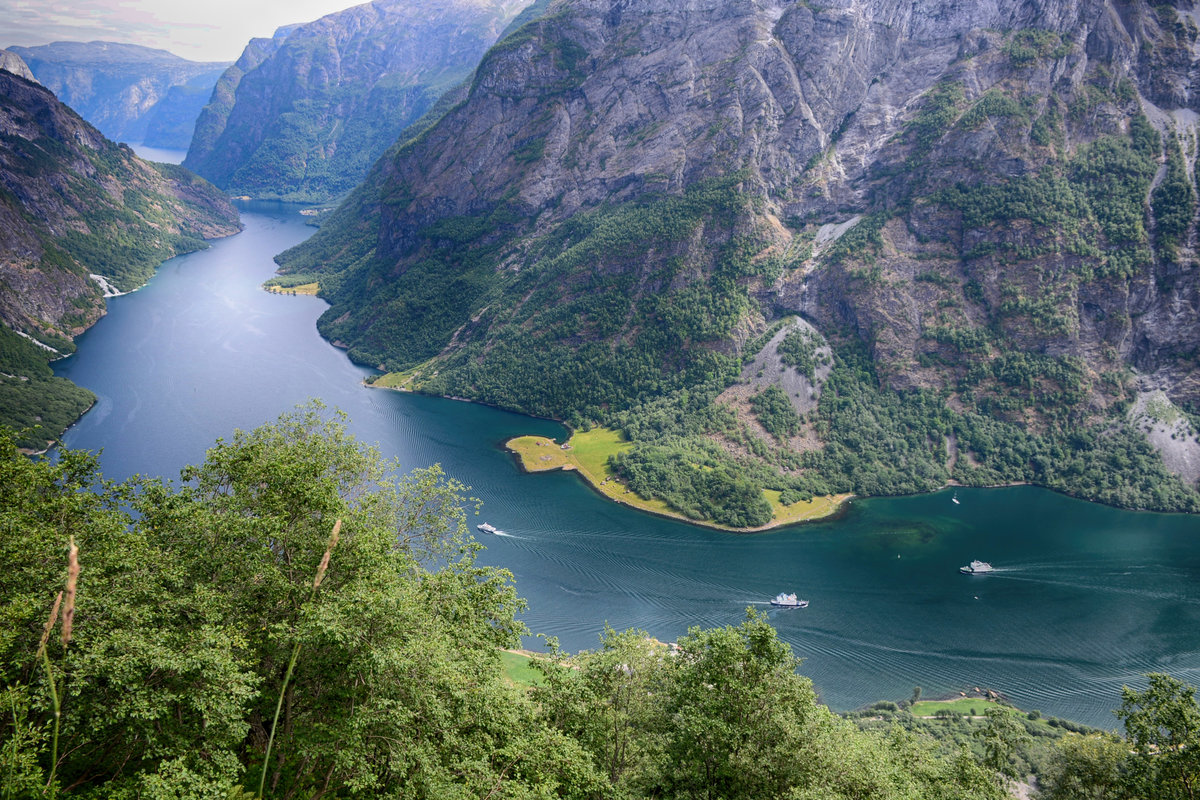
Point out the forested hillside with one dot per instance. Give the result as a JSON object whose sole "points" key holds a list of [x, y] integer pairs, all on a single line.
{"points": [[987, 213], [292, 619], [80, 216]]}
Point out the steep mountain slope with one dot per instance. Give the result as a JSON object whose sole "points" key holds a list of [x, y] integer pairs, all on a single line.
{"points": [[79, 216], [988, 210], [305, 114], [123, 88]]}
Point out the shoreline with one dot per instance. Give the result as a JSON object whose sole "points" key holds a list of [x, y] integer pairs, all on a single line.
{"points": [[105, 285], [841, 507], [838, 503]]}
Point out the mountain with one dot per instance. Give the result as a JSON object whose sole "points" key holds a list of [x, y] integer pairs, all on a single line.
{"points": [[868, 246], [13, 63], [80, 217], [304, 115], [131, 93]]}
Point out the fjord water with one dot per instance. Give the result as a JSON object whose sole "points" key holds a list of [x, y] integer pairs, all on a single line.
{"points": [[1085, 598]]}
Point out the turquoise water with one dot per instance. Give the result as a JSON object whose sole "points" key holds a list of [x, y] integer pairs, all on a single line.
{"points": [[1085, 598]]}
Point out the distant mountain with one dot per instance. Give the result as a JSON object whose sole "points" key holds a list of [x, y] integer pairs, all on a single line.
{"points": [[13, 63], [303, 115], [131, 93], [986, 213], [79, 216]]}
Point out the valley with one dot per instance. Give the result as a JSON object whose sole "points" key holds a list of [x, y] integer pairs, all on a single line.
{"points": [[1078, 608], [600, 399]]}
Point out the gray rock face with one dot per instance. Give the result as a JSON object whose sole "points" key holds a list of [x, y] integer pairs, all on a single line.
{"points": [[11, 62], [119, 88], [305, 114], [998, 154]]}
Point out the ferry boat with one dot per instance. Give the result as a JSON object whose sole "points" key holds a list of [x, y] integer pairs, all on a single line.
{"points": [[783, 600], [976, 568], [487, 528]]}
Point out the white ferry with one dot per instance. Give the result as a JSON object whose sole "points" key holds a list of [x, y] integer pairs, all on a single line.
{"points": [[487, 528], [788, 601], [976, 568]]}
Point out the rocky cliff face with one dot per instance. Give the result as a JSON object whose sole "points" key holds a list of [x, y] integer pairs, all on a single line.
{"points": [[79, 216], [127, 91], [994, 202], [305, 114], [11, 62]]}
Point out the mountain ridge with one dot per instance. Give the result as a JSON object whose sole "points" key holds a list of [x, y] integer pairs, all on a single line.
{"points": [[129, 92], [304, 114], [974, 204]]}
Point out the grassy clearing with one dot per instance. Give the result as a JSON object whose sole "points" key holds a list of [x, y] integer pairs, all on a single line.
{"points": [[393, 380], [816, 508], [588, 454], [537, 453], [518, 670], [399, 380], [304, 288], [967, 706], [592, 449]]}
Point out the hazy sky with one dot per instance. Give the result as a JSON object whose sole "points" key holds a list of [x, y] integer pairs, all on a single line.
{"points": [[212, 30]]}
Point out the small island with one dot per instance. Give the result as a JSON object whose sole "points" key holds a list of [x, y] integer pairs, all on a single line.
{"points": [[587, 452]]}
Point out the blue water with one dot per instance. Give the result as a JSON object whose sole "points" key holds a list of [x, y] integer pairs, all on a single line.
{"points": [[159, 154], [1085, 598]]}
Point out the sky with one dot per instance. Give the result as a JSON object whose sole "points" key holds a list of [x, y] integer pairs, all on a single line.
{"points": [[212, 30]]}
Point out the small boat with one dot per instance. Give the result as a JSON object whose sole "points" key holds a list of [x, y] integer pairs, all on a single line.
{"points": [[976, 568], [954, 499], [783, 600], [486, 528]]}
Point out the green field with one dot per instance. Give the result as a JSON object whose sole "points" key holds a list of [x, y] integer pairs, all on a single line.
{"points": [[588, 453], [303, 288], [803, 511], [518, 670], [967, 706]]}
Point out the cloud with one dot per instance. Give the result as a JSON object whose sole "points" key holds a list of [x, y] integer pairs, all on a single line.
{"points": [[215, 30]]}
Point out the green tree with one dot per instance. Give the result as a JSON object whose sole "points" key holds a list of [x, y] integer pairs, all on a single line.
{"points": [[1088, 768], [1163, 725], [190, 609], [738, 714], [610, 701], [1001, 734]]}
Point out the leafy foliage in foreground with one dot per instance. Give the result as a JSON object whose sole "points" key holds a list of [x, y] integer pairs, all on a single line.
{"points": [[727, 716], [194, 596], [1159, 759]]}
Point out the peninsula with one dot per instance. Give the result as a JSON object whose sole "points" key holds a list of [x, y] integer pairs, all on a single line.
{"points": [[588, 452]]}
